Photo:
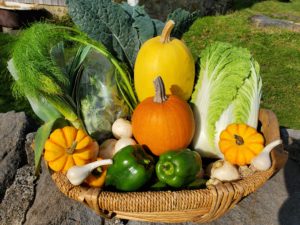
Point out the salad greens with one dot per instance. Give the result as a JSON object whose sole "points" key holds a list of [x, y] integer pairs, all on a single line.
{"points": [[228, 91]]}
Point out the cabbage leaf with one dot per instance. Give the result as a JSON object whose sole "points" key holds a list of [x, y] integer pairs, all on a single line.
{"points": [[228, 91]]}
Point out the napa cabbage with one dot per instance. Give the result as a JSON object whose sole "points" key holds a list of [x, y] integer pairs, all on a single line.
{"points": [[228, 91]]}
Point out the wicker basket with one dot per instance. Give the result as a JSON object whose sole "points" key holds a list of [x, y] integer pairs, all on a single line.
{"points": [[200, 206]]}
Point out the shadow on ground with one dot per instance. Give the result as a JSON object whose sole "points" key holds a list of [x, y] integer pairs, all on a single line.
{"points": [[289, 213]]}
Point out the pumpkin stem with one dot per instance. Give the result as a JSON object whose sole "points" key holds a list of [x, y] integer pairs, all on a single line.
{"points": [[238, 139], [166, 33], [72, 148], [160, 92]]}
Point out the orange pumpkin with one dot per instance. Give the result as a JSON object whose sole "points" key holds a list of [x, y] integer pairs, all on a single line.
{"points": [[69, 146], [240, 143], [163, 123]]}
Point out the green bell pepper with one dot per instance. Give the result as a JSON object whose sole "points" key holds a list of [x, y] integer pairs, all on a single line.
{"points": [[132, 168], [179, 168]]}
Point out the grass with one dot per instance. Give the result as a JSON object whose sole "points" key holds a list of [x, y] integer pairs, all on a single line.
{"points": [[276, 50]]}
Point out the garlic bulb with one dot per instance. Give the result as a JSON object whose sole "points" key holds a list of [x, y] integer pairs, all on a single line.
{"points": [[224, 171], [122, 128], [262, 162], [107, 148], [213, 181], [77, 174], [123, 142]]}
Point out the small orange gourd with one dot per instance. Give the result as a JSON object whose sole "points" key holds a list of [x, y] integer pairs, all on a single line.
{"points": [[97, 177], [240, 143], [163, 123], [69, 146]]}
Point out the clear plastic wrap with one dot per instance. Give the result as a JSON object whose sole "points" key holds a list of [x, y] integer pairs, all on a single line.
{"points": [[100, 100]]}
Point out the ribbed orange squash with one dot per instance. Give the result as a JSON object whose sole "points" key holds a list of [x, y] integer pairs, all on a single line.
{"points": [[169, 58], [163, 123], [69, 146], [240, 143]]}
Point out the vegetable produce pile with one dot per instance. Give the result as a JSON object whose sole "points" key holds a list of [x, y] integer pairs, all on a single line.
{"points": [[124, 109]]}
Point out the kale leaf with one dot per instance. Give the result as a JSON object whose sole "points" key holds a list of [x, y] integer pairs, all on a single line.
{"points": [[183, 20], [108, 23], [145, 26]]}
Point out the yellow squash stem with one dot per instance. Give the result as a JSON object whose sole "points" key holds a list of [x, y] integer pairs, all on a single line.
{"points": [[166, 33]]}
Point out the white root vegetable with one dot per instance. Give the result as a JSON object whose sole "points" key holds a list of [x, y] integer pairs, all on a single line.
{"points": [[77, 174], [262, 162], [107, 149], [123, 142], [133, 2], [224, 171], [122, 128]]}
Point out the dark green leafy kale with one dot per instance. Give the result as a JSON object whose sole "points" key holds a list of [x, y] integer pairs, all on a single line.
{"points": [[183, 20], [143, 23], [108, 23]]}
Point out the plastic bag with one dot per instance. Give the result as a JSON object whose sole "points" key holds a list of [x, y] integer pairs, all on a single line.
{"points": [[100, 101]]}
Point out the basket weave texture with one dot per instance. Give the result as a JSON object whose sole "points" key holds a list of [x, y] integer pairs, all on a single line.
{"points": [[202, 205]]}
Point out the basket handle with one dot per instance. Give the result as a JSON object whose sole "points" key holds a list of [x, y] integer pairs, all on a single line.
{"points": [[270, 129]]}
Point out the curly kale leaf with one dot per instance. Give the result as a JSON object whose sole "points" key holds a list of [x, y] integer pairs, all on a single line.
{"points": [[183, 20], [143, 23], [107, 23]]}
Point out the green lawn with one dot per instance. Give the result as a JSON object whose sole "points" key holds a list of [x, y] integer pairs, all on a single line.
{"points": [[276, 50]]}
